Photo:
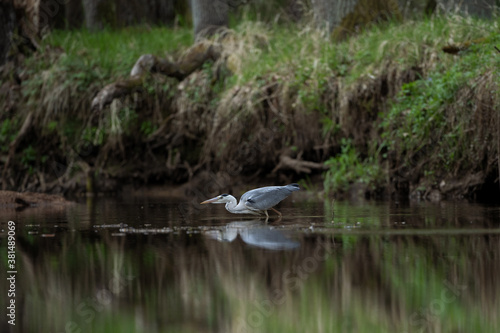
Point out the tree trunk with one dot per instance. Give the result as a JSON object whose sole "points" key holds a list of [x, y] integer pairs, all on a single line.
{"points": [[131, 12], [209, 16], [7, 25], [51, 14], [20, 24], [478, 8], [295, 10], [99, 14], [159, 12], [347, 17], [329, 13], [74, 14]]}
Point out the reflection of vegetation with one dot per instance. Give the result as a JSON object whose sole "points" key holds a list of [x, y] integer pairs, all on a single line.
{"points": [[396, 285], [97, 279]]}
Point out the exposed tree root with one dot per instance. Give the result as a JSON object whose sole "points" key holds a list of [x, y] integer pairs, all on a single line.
{"points": [[459, 47], [13, 145], [463, 184], [297, 165]]}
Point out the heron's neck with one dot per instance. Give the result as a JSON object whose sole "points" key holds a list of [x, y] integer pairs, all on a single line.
{"points": [[231, 205]]}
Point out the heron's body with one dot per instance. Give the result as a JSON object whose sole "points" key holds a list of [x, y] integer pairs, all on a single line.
{"points": [[256, 201]]}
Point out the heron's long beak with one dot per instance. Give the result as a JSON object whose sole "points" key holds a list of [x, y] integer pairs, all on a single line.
{"points": [[209, 201]]}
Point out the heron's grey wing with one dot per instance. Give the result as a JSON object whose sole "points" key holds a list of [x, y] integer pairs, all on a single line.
{"points": [[266, 197]]}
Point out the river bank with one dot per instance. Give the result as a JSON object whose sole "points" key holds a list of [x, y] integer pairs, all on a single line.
{"points": [[390, 111]]}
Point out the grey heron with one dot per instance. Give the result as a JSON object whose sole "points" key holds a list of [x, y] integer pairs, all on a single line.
{"points": [[255, 201]]}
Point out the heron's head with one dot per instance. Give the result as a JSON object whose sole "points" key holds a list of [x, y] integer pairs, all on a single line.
{"points": [[223, 198]]}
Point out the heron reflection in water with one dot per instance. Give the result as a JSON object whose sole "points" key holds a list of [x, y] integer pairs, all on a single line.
{"points": [[254, 233], [255, 201]]}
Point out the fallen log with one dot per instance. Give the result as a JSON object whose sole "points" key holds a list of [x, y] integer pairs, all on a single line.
{"points": [[190, 61]]}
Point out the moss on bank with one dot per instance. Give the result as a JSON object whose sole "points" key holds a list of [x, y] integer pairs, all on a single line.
{"points": [[386, 109]]}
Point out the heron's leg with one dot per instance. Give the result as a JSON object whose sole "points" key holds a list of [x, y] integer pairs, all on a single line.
{"points": [[279, 214], [267, 215]]}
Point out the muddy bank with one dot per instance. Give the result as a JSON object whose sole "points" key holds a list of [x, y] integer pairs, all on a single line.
{"points": [[212, 130], [22, 200]]}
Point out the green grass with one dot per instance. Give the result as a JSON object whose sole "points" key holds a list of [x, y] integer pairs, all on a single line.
{"points": [[348, 167], [304, 56], [299, 55], [432, 120], [305, 61], [440, 115], [116, 51]]}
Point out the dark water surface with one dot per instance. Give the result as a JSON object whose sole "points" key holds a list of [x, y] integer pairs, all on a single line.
{"points": [[156, 265]]}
